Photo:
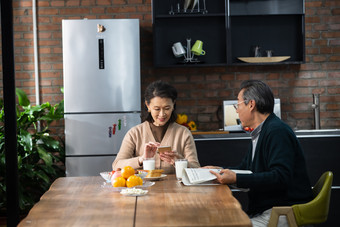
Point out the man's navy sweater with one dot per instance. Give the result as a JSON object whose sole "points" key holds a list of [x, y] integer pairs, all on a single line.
{"points": [[279, 170]]}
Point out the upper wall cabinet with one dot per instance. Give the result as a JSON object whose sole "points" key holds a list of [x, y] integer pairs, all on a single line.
{"points": [[227, 32], [186, 22], [265, 32]]}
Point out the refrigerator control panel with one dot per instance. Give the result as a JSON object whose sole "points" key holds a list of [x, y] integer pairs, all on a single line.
{"points": [[101, 53]]}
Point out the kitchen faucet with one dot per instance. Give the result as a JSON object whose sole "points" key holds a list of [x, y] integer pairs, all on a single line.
{"points": [[316, 107]]}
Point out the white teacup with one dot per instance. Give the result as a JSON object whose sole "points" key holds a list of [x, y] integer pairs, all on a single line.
{"points": [[178, 49], [149, 164], [180, 165]]}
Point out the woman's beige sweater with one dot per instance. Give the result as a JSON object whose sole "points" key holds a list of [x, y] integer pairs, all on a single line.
{"points": [[177, 136]]}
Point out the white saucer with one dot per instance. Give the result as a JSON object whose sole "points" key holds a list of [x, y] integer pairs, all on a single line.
{"points": [[155, 178], [108, 186], [133, 192]]}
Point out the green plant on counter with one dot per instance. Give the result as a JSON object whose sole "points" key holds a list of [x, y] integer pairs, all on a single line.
{"points": [[41, 157]]}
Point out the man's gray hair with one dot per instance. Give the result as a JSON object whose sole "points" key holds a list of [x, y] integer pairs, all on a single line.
{"points": [[259, 92]]}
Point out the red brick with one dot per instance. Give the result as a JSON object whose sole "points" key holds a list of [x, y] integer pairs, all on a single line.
{"points": [[122, 9], [49, 42], [333, 90], [323, 11], [22, 75], [28, 50], [303, 83], [98, 10], [49, 27], [45, 66], [330, 66], [334, 74], [318, 91], [43, 3], [335, 27], [330, 34], [136, 1], [47, 11], [312, 20], [72, 3], [312, 50], [331, 3], [321, 42], [273, 76], [313, 4], [312, 35], [319, 58], [103, 2], [334, 58], [222, 94], [329, 83], [44, 20], [74, 11], [88, 2], [333, 107], [44, 35], [55, 3], [331, 19], [25, 3]]}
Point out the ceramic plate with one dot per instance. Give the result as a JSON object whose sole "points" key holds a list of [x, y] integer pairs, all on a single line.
{"points": [[155, 178], [133, 192], [109, 186], [105, 175], [263, 59]]}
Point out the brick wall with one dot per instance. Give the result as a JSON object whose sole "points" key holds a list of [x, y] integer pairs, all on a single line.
{"points": [[203, 89]]}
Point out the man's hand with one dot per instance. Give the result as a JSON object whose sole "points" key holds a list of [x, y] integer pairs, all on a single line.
{"points": [[211, 167], [225, 176]]}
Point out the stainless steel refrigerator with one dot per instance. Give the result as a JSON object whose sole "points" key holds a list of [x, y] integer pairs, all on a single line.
{"points": [[101, 60]]}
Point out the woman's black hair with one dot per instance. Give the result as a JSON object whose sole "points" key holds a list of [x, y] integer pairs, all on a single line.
{"points": [[261, 93], [163, 90]]}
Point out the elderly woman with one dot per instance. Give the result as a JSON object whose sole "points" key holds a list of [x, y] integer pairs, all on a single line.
{"points": [[158, 129]]}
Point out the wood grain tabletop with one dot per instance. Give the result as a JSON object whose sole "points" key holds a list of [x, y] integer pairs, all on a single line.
{"points": [[81, 201]]}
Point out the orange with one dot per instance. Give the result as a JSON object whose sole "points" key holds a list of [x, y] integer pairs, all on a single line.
{"points": [[133, 181], [119, 182], [127, 171]]}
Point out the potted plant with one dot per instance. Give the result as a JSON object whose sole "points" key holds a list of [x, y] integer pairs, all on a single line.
{"points": [[40, 156]]}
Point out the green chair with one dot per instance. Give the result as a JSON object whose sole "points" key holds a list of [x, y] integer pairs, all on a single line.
{"points": [[313, 212]]}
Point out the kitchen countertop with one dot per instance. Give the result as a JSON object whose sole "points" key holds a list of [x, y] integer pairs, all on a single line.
{"points": [[226, 135]]}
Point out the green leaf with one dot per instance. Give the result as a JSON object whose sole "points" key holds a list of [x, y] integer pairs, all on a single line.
{"points": [[50, 142], [25, 140], [44, 155], [22, 97], [39, 154], [43, 176]]}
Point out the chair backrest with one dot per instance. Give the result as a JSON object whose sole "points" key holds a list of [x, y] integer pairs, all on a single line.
{"points": [[316, 211]]}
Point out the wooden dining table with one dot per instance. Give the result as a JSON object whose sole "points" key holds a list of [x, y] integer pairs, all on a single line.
{"points": [[89, 201]]}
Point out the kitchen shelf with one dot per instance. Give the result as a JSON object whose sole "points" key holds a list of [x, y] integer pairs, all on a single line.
{"points": [[231, 29], [264, 59], [167, 16]]}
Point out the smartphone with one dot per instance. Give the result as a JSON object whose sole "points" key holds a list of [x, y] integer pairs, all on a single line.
{"points": [[164, 149]]}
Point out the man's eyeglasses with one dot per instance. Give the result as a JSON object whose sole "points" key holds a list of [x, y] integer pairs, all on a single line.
{"points": [[236, 104]]}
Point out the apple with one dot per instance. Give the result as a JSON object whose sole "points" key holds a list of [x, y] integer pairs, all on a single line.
{"points": [[115, 175]]}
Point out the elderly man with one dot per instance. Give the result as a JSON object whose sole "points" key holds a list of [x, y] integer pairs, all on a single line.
{"points": [[275, 157]]}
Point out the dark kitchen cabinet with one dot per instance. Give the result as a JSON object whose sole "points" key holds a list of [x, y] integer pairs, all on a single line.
{"points": [[229, 29], [273, 25], [169, 28], [321, 151]]}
